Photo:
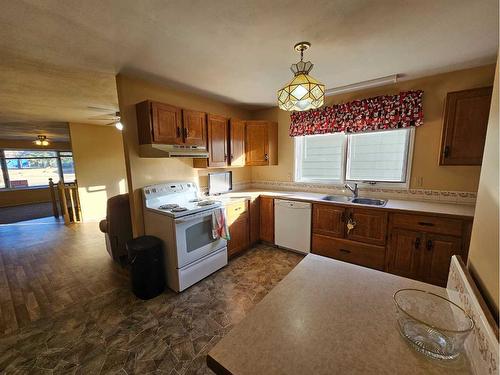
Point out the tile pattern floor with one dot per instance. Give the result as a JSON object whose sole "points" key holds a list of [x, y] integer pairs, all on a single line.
{"points": [[46, 267], [113, 332]]}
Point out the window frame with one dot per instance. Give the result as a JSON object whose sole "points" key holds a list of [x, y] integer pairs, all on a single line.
{"points": [[5, 170], [298, 141]]}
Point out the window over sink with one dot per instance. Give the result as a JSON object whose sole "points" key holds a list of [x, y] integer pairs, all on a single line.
{"points": [[382, 157]]}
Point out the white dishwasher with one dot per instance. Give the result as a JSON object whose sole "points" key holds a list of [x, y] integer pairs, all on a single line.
{"points": [[292, 225]]}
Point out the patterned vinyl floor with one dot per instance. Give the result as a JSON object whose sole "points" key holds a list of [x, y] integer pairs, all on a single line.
{"points": [[67, 309]]}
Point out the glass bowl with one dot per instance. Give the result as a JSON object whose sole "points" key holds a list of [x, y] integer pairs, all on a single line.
{"points": [[432, 324]]}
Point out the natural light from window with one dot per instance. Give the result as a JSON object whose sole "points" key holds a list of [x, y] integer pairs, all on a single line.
{"points": [[33, 168], [362, 157]]}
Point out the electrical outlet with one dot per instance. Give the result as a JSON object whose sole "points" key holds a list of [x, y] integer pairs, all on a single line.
{"points": [[420, 181]]}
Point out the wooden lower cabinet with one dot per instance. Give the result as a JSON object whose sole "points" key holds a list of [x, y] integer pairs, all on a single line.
{"points": [[438, 252], [266, 224], [421, 246], [254, 220], [404, 255], [349, 251], [328, 220], [370, 225], [238, 220]]}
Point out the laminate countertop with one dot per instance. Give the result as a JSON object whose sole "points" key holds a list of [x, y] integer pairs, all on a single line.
{"points": [[327, 317], [448, 209]]}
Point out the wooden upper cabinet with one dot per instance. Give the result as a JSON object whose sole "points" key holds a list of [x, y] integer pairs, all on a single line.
{"points": [[328, 220], [267, 219], [194, 127], [217, 141], [261, 143], [237, 143], [464, 129], [370, 225], [159, 123]]}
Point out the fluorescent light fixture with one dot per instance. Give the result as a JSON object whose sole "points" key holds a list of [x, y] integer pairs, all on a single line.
{"points": [[119, 125], [363, 85]]}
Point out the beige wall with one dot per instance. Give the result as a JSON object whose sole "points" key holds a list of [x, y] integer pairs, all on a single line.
{"points": [[146, 171], [26, 196], [99, 166], [484, 246], [426, 172]]}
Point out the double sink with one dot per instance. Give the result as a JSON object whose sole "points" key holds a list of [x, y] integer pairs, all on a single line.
{"points": [[361, 201]]}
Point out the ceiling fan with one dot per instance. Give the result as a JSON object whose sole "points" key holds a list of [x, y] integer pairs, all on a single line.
{"points": [[113, 116]]}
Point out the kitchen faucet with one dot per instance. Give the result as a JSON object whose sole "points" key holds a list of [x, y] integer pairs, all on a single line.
{"points": [[354, 190]]}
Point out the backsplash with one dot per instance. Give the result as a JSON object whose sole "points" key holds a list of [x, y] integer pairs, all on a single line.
{"points": [[441, 196], [482, 344]]}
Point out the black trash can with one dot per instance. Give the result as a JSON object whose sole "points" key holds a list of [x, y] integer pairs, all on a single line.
{"points": [[147, 270]]}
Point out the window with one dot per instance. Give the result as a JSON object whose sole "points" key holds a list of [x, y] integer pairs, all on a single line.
{"points": [[32, 168], [320, 157], [376, 157]]}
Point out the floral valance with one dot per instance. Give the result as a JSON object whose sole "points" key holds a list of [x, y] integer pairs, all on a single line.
{"points": [[377, 113]]}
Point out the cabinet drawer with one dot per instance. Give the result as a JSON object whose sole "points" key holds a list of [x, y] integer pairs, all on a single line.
{"points": [[349, 251], [430, 224], [236, 210]]}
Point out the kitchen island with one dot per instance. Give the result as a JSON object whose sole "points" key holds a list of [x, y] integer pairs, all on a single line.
{"points": [[327, 317]]}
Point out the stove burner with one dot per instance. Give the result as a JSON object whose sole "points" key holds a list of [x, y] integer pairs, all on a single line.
{"points": [[169, 206], [206, 203], [179, 209]]}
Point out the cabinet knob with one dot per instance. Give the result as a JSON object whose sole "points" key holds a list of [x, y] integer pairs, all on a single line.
{"points": [[429, 245], [417, 243], [178, 132], [266, 157], [186, 132], [446, 151]]}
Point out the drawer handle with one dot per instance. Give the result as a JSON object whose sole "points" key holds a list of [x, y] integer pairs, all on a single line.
{"points": [[345, 251], [425, 224], [429, 245], [237, 208], [417, 243]]}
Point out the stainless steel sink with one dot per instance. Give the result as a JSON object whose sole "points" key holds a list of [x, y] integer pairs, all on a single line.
{"points": [[337, 198], [369, 201]]}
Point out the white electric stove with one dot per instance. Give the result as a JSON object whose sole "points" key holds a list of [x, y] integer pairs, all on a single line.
{"points": [[176, 213]]}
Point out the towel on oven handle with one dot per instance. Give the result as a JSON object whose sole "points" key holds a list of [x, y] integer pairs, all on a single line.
{"points": [[219, 225]]}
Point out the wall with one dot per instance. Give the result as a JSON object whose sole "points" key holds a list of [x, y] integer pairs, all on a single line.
{"points": [[99, 167], [146, 171], [484, 246], [26, 196], [426, 172]]}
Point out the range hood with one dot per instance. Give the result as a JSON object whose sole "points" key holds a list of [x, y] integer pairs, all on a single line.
{"points": [[172, 151]]}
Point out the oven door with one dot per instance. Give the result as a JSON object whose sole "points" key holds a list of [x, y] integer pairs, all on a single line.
{"points": [[194, 238]]}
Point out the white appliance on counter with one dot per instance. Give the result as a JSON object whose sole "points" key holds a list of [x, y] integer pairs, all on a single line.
{"points": [[175, 213], [292, 225]]}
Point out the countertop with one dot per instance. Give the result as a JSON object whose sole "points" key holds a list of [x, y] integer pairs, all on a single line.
{"points": [[450, 209], [327, 317]]}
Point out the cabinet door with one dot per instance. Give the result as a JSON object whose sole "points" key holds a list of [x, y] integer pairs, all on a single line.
{"points": [[239, 232], [257, 143], [166, 121], [237, 143], [254, 220], [464, 129], [404, 253], [217, 141], [194, 127], [328, 220], [438, 252], [370, 225], [267, 219]]}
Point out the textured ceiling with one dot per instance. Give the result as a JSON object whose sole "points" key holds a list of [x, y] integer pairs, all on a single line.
{"points": [[238, 51], [56, 132]]}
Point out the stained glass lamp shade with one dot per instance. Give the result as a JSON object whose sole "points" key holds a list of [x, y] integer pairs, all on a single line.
{"points": [[303, 92]]}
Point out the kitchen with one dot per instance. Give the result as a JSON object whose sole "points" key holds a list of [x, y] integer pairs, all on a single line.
{"points": [[245, 211]]}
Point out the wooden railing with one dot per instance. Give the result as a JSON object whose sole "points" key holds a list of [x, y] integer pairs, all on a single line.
{"points": [[65, 201]]}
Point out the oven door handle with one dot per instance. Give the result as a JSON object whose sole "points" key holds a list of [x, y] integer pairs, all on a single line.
{"points": [[187, 218]]}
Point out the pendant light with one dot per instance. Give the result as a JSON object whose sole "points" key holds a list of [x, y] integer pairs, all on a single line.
{"points": [[41, 140], [303, 92]]}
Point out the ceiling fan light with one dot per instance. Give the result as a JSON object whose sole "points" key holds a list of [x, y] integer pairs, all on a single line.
{"points": [[119, 125], [41, 140]]}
